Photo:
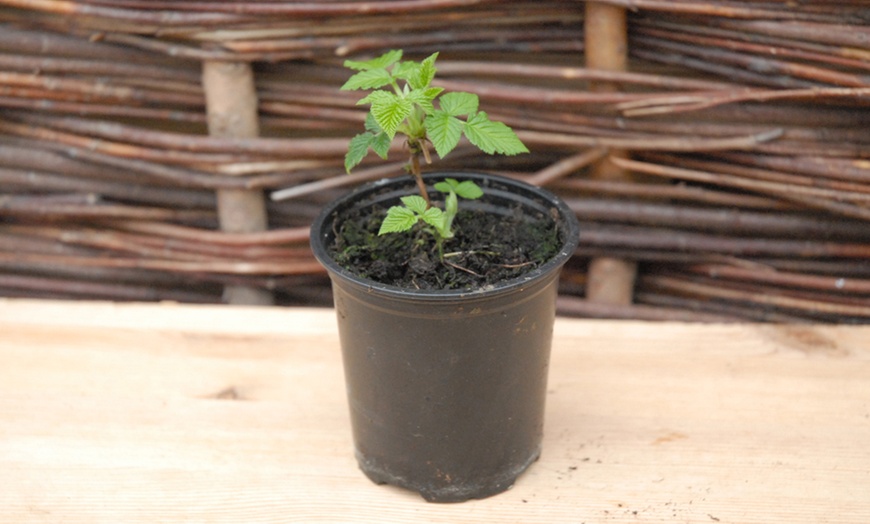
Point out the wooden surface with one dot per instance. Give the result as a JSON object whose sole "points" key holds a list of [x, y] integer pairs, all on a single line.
{"points": [[166, 413]]}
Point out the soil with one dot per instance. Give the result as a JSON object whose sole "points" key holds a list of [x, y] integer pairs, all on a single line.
{"points": [[486, 248]]}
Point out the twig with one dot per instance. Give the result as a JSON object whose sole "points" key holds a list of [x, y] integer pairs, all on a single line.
{"points": [[812, 197], [684, 103], [765, 297], [566, 166], [570, 306], [651, 144]]}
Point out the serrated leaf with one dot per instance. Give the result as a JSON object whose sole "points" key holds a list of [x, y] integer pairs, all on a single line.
{"points": [[372, 124], [424, 74], [435, 218], [382, 62], [415, 203], [444, 131], [398, 219], [357, 149], [422, 99], [492, 137], [381, 144], [390, 112], [445, 186], [406, 70], [460, 103], [376, 96], [369, 79], [433, 92], [468, 190]]}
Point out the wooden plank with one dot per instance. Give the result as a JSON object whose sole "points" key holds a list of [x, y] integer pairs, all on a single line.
{"points": [[166, 413]]}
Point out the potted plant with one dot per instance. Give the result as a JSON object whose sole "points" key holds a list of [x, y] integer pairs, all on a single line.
{"points": [[444, 287]]}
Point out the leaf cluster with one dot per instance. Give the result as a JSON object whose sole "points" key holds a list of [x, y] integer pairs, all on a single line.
{"points": [[414, 209], [403, 101]]}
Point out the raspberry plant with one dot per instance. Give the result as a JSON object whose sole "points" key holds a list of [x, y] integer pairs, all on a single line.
{"points": [[403, 101]]}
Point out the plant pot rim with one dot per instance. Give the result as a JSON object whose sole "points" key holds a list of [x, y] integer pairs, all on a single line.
{"points": [[321, 227]]}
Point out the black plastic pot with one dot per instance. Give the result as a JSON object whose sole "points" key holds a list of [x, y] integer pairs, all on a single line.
{"points": [[447, 388]]}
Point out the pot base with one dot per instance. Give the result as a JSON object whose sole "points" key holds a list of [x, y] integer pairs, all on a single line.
{"points": [[442, 489]]}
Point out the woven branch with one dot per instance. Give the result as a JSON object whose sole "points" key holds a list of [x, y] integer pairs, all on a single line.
{"points": [[752, 116]]}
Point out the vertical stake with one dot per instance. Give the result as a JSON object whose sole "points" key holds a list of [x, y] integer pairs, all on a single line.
{"points": [[610, 280], [231, 106]]}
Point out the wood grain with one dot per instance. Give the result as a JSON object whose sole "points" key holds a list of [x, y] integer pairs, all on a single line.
{"points": [[165, 413]]}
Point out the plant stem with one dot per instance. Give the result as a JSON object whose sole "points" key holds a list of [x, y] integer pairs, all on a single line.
{"points": [[418, 176]]}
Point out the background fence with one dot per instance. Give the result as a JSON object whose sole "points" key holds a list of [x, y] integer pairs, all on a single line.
{"points": [[717, 151]]}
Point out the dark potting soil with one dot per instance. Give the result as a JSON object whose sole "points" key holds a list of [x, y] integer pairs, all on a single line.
{"points": [[486, 248]]}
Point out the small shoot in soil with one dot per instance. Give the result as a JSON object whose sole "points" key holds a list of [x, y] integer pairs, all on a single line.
{"points": [[414, 210], [403, 101]]}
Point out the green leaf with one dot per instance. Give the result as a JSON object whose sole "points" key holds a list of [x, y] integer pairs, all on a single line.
{"points": [[444, 131], [380, 141], [457, 104], [390, 112], [492, 137], [468, 190], [368, 79], [406, 70], [382, 62], [398, 219], [415, 203], [451, 204], [420, 98], [445, 186], [376, 96], [372, 124], [357, 149], [381, 144], [424, 74], [437, 219], [433, 92]]}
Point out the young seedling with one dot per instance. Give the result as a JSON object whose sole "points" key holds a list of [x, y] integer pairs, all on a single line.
{"points": [[403, 101], [415, 209]]}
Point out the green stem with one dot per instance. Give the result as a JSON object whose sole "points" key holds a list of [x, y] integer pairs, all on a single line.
{"points": [[396, 88]]}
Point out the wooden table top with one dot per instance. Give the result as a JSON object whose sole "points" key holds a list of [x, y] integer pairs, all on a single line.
{"points": [[129, 413]]}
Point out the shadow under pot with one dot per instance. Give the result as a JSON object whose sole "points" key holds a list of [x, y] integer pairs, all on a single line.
{"points": [[447, 388]]}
